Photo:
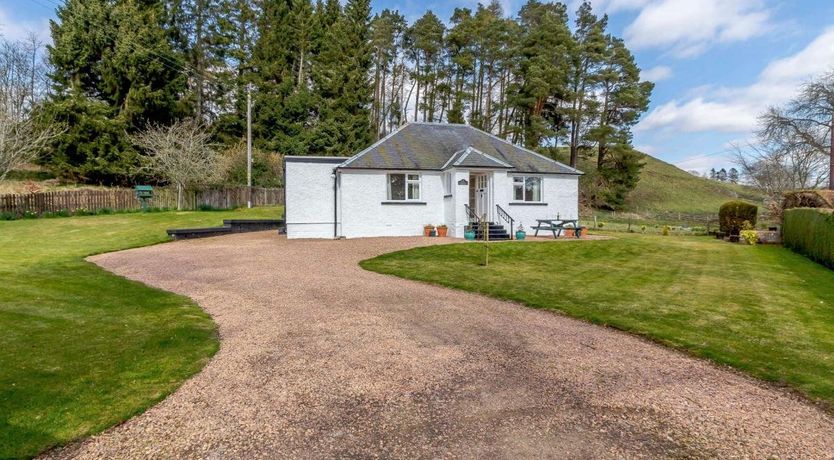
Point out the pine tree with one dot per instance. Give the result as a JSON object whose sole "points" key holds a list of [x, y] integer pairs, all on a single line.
{"points": [[622, 98], [721, 176], [426, 45], [586, 59], [732, 175], [460, 49], [340, 76], [387, 32], [712, 174], [544, 66]]}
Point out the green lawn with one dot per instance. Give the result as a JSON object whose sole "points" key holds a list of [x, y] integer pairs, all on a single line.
{"points": [[82, 349], [762, 309]]}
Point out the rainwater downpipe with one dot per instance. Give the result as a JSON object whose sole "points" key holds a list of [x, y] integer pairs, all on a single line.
{"points": [[335, 203]]}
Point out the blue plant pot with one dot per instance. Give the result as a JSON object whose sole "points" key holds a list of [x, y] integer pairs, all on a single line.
{"points": [[469, 235], [520, 235]]}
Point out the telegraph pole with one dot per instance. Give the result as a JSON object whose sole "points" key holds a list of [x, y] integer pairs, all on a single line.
{"points": [[249, 144]]}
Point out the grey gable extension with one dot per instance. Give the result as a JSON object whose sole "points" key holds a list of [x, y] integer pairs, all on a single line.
{"points": [[436, 146]]}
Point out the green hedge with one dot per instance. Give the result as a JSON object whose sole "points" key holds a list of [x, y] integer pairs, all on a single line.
{"points": [[733, 214], [810, 232]]}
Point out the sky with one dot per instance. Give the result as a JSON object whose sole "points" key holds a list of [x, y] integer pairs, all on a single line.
{"points": [[716, 64]]}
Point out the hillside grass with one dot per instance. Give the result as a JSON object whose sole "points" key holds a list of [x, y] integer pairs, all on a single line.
{"points": [[665, 188], [761, 309], [82, 349]]}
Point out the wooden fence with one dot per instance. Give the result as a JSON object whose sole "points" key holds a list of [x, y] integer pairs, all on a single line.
{"points": [[121, 199]]}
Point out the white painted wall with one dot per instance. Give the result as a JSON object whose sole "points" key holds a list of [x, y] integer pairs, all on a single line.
{"points": [[560, 196], [364, 208], [309, 197]]}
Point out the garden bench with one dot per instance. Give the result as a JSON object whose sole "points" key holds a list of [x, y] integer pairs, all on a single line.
{"points": [[556, 226]]}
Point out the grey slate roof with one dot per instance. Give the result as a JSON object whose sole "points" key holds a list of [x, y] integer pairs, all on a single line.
{"points": [[473, 158], [431, 146]]}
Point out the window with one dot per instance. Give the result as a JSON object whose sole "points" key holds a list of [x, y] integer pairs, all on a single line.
{"points": [[527, 188], [403, 187], [447, 183]]}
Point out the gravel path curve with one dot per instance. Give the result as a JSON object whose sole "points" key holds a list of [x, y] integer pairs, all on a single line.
{"points": [[320, 358]]}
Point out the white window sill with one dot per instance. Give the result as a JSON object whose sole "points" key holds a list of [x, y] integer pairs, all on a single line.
{"points": [[527, 203], [406, 202]]}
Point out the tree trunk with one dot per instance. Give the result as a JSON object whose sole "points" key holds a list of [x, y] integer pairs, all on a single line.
{"points": [[179, 197], [831, 157]]}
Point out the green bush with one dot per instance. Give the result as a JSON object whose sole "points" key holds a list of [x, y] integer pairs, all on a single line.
{"points": [[733, 214], [810, 232], [750, 236]]}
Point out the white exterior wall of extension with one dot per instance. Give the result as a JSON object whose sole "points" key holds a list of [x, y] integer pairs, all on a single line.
{"points": [[365, 210], [308, 191]]}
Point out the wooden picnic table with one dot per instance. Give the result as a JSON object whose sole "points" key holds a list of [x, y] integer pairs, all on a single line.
{"points": [[557, 226]]}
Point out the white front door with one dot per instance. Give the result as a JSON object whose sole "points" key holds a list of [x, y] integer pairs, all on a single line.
{"points": [[480, 194]]}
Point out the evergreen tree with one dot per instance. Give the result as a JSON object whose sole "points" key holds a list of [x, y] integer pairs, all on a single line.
{"points": [[732, 175], [340, 76], [712, 174], [387, 32], [238, 21], [721, 175], [460, 50], [545, 47], [622, 98], [425, 38], [113, 72], [283, 102], [586, 59]]}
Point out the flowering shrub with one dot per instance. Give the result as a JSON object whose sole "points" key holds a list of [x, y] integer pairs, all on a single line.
{"points": [[750, 236]]}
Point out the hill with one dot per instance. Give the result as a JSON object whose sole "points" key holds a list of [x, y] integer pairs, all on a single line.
{"points": [[667, 188]]}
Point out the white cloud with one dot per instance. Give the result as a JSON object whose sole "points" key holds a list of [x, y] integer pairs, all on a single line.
{"points": [[657, 73], [734, 109], [687, 28], [702, 163], [14, 29]]}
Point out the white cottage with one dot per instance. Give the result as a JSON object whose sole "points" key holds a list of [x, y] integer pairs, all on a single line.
{"points": [[426, 173]]}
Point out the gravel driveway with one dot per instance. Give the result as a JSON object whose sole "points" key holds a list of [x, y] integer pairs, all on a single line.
{"points": [[322, 359]]}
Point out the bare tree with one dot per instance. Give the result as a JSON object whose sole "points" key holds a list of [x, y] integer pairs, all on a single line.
{"points": [[794, 147], [181, 154], [805, 128], [22, 139]]}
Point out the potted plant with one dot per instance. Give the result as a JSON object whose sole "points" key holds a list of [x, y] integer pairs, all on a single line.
{"points": [[520, 234], [469, 233], [442, 230], [427, 229]]}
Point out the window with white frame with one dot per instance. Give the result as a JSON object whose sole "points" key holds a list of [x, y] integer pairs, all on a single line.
{"points": [[403, 187], [447, 183], [527, 188]]}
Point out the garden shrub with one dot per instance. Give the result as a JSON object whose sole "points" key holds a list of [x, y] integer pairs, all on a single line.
{"points": [[666, 230], [733, 214], [750, 236], [810, 232]]}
